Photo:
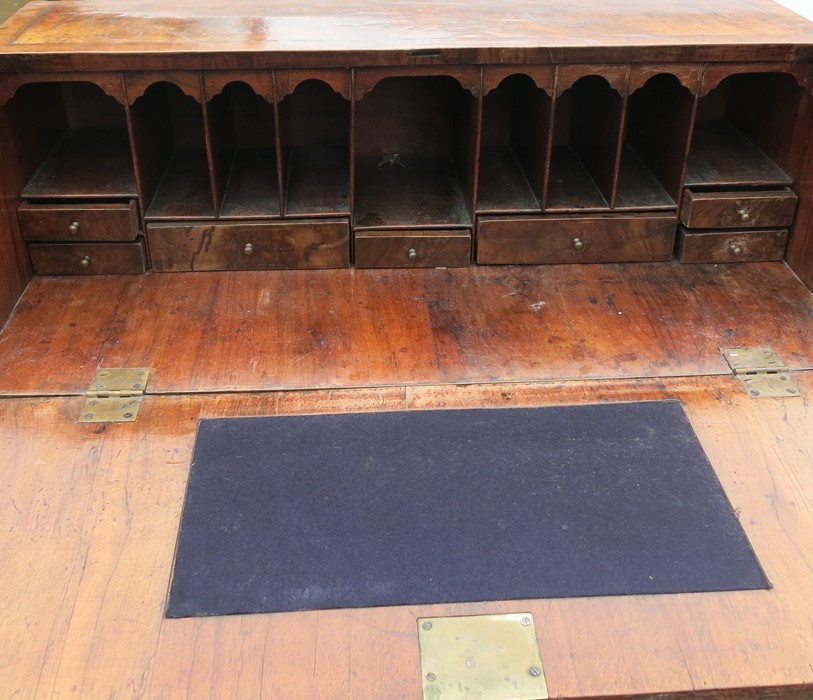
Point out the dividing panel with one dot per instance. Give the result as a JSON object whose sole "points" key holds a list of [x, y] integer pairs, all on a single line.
{"points": [[659, 117], [242, 134], [315, 138], [513, 146], [170, 146], [586, 129]]}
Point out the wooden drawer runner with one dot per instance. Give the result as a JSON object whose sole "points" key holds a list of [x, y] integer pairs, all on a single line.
{"points": [[78, 222], [575, 239], [742, 209], [88, 258], [414, 248], [262, 245], [731, 246]]}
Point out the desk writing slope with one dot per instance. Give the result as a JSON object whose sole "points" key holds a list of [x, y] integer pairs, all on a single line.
{"points": [[612, 191]]}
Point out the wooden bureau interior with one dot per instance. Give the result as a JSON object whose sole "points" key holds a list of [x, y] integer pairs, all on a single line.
{"points": [[445, 157], [364, 206]]}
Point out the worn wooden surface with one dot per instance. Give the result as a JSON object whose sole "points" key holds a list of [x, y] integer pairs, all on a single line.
{"points": [[362, 31], [91, 514], [332, 328]]}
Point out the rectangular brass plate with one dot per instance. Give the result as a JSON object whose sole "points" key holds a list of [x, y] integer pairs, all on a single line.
{"points": [[114, 396], [761, 372], [493, 657]]}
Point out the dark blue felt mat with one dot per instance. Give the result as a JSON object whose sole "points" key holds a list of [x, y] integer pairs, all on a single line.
{"points": [[369, 509]]}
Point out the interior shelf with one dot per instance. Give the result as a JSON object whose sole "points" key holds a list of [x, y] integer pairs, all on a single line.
{"points": [[318, 180], [424, 192], [183, 192], [514, 132], [415, 140], [244, 157], [503, 185], [638, 188], [72, 142], [722, 156], [171, 154], [86, 163], [251, 190], [315, 137], [586, 129], [570, 185], [659, 116]]}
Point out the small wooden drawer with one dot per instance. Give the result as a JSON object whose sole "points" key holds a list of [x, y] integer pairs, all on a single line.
{"points": [[731, 246], [261, 245], [78, 222], [414, 248], [88, 258], [742, 209], [575, 239]]}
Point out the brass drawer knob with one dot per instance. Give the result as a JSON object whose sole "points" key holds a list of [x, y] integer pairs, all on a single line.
{"points": [[85, 261], [578, 243], [744, 214], [73, 228], [735, 249], [412, 254], [248, 250]]}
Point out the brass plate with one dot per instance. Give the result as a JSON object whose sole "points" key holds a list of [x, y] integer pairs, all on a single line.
{"points": [[114, 396], [493, 657]]}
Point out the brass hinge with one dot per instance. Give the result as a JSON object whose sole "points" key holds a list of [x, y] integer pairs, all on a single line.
{"points": [[761, 372], [114, 396]]}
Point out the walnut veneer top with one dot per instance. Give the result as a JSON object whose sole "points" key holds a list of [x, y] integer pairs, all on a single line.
{"points": [[70, 33]]}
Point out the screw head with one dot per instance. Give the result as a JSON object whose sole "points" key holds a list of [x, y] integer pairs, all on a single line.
{"points": [[525, 621], [427, 626], [535, 671], [431, 677], [754, 392]]}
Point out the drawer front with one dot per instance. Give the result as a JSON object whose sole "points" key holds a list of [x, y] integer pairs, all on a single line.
{"points": [[731, 246], [763, 209], [251, 246], [80, 222], [88, 258], [589, 239], [447, 248]]}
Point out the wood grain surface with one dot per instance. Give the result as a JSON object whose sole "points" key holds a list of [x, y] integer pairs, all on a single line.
{"points": [[71, 32], [91, 514], [252, 331]]}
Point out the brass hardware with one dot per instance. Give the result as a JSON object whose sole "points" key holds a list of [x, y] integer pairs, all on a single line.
{"points": [[248, 250], [73, 228], [412, 254], [391, 159], [735, 249], [85, 261], [744, 214], [578, 244], [761, 372], [481, 656], [114, 396]]}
